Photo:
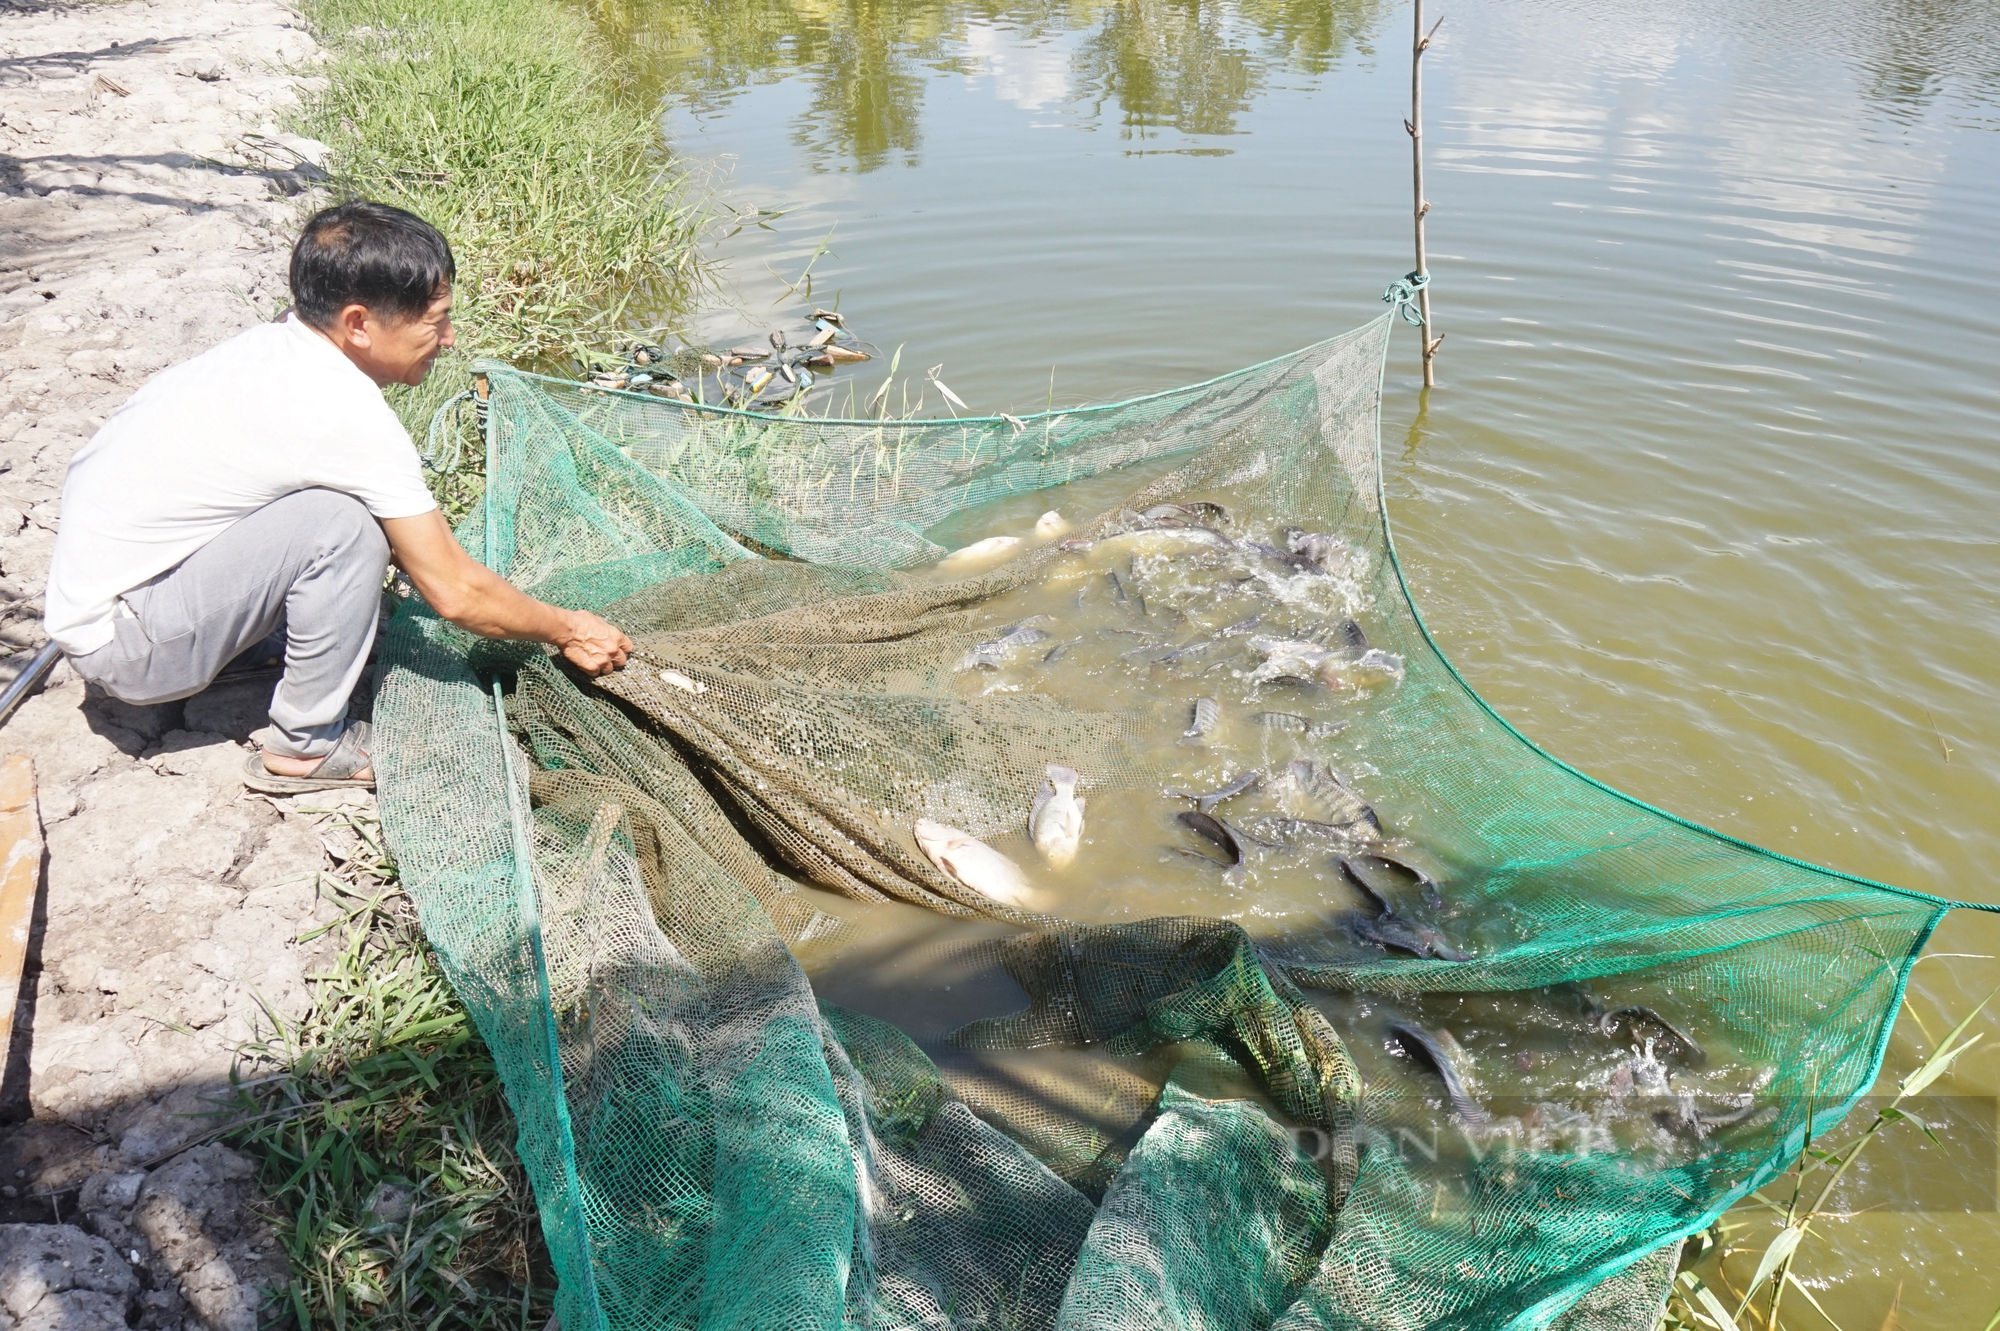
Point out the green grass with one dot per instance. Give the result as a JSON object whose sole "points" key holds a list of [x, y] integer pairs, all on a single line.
{"points": [[511, 126], [1799, 1205], [384, 1144]]}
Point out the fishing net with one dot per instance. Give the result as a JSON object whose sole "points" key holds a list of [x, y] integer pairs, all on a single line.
{"points": [[1416, 1028]]}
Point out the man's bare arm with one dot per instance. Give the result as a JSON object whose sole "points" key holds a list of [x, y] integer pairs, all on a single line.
{"points": [[480, 601]]}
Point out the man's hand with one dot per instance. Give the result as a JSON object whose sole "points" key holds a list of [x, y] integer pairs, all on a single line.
{"points": [[480, 601], [594, 646]]}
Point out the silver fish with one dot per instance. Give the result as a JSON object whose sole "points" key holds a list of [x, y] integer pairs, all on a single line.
{"points": [[1282, 831], [1205, 802], [1289, 659], [1056, 821], [1442, 1055], [996, 652], [1198, 513], [1240, 627], [1294, 724], [1207, 716], [970, 862]]}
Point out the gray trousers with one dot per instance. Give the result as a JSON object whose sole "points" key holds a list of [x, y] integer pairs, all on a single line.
{"points": [[312, 562]]}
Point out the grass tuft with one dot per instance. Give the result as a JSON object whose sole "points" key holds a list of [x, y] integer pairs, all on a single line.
{"points": [[384, 1144], [512, 127]]}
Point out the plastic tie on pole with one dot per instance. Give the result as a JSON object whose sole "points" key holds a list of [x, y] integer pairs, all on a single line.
{"points": [[1402, 293]]}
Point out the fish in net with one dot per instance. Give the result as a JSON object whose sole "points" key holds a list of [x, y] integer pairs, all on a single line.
{"points": [[1133, 921]]}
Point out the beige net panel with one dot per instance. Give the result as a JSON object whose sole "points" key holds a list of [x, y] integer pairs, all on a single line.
{"points": [[1351, 1010]]}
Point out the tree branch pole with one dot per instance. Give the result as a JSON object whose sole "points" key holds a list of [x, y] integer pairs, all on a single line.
{"points": [[1421, 41]]}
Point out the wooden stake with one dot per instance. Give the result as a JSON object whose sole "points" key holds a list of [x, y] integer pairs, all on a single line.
{"points": [[1420, 205], [20, 875]]}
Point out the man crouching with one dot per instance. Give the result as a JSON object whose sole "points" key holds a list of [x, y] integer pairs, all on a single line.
{"points": [[258, 491]]}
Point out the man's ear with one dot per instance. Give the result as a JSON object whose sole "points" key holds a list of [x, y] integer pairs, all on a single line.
{"points": [[351, 326]]}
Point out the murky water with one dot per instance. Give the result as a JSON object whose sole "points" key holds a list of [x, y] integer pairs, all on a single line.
{"points": [[1704, 501]]}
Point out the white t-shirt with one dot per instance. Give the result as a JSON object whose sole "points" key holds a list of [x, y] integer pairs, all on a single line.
{"points": [[270, 412]]}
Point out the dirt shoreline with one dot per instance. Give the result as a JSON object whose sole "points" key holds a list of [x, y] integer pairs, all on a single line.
{"points": [[147, 196]]}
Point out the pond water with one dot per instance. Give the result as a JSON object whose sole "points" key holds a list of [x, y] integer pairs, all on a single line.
{"points": [[1705, 499]]}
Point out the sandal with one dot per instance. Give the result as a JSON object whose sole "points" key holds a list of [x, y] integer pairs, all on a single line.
{"points": [[336, 771]]}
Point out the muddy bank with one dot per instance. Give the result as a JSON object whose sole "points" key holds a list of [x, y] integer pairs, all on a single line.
{"points": [[149, 196]]}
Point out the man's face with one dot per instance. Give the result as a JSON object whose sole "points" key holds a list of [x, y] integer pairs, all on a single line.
{"points": [[391, 350]]}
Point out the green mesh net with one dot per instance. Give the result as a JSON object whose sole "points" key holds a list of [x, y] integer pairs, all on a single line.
{"points": [[1417, 1028]]}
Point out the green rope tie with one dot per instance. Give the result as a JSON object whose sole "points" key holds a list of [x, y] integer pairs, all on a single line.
{"points": [[1402, 294]]}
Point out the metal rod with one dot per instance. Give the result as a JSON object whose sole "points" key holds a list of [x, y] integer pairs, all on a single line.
{"points": [[1420, 205], [24, 683]]}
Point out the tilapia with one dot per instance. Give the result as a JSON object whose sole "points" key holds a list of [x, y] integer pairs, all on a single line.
{"points": [[1643, 1021], [1321, 551], [996, 652], [1163, 542], [1240, 627], [1309, 790], [1386, 878], [1352, 637], [1293, 723], [971, 863], [1688, 1119], [1196, 513], [1443, 1055], [1050, 525], [1390, 930], [1056, 821], [1292, 831], [1207, 717], [981, 555], [1372, 667], [1295, 661]]}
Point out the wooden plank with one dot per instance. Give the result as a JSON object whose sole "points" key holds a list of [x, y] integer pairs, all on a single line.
{"points": [[20, 875]]}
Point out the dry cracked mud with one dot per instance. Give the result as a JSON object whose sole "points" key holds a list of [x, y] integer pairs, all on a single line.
{"points": [[147, 195]]}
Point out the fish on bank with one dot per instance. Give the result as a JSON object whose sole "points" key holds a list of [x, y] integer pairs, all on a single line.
{"points": [[981, 555], [1442, 1055], [1055, 823], [1206, 720], [971, 863], [997, 652]]}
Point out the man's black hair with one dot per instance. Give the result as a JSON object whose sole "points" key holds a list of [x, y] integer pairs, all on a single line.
{"points": [[368, 254]]}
